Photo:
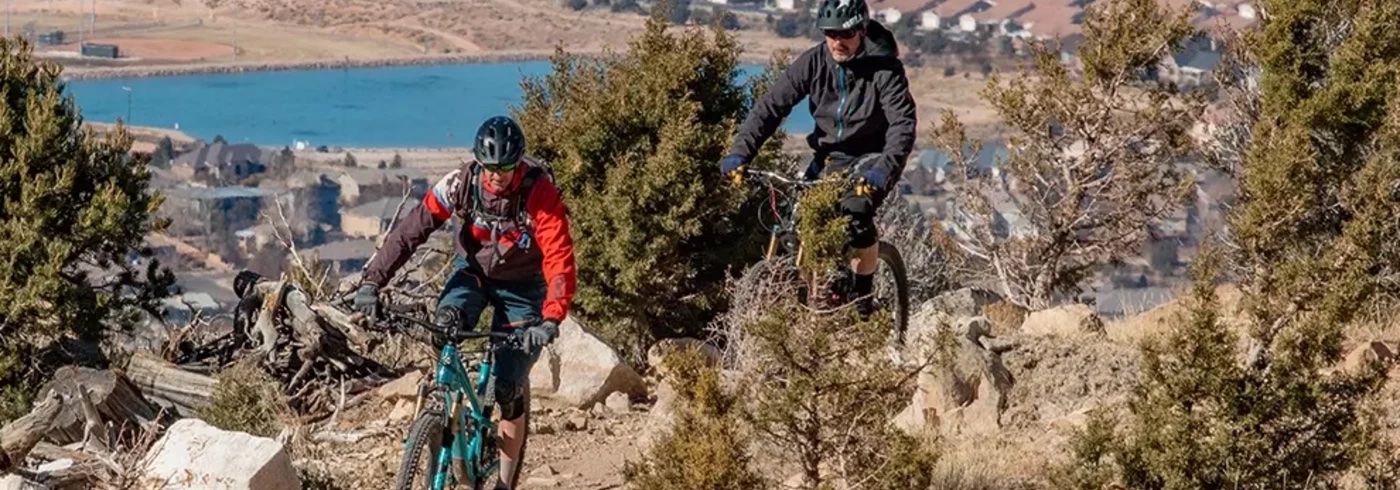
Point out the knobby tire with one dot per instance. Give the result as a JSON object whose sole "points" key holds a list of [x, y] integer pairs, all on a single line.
{"points": [[892, 258], [426, 427]]}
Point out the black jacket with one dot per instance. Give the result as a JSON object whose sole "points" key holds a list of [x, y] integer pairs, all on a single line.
{"points": [[862, 106]]}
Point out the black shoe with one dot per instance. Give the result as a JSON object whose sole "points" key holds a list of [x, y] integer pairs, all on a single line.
{"points": [[865, 306]]}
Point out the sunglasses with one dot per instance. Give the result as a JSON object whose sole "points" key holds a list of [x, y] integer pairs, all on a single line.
{"points": [[499, 168], [843, 34]]}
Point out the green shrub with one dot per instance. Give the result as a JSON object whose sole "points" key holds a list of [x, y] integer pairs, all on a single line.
{"points": [[73, 207], [635, 140], [705, 450]]}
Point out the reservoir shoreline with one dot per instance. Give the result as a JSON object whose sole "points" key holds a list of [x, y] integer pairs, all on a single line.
{"points": [[76, 73]]}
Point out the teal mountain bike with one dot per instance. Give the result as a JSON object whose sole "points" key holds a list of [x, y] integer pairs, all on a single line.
{"points": [[452, 439]]}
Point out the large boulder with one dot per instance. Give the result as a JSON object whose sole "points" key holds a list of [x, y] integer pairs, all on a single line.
{"points": [[967, 394], [15, 482], [579, 369], [195, 455]]}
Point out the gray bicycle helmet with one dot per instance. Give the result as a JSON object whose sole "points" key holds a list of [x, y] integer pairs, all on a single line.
{"points": [[499, 142], [835, 15]]}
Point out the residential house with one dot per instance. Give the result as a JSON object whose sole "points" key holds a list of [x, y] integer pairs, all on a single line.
{"points": [[375, 184], [1000, 17], [221, 162], [344, 257], [372, 219], [234, 207], [891, 12], [185, 308], [253, 239], [946, 15], [1192, 64]]}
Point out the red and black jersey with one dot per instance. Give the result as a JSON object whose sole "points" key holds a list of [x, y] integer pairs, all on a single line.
{"points": [[510, 234]]}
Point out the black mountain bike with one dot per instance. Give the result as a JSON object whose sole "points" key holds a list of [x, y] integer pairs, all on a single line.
{"points": [[785, 251]]}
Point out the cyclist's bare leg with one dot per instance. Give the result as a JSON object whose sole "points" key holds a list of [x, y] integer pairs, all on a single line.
{"points": [[511, 434], [866, 260]]}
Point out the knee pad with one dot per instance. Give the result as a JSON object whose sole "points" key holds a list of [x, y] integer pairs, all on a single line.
{"points": [[448, 316], [860, 230]]}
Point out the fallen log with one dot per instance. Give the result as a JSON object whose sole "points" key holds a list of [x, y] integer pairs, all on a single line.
{"points": [[168, 384], [19, 436], [69, 474], [114, 397], [311, 350]]}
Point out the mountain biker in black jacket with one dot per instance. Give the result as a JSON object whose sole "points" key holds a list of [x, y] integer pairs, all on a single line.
{"points": [[858, 95]]}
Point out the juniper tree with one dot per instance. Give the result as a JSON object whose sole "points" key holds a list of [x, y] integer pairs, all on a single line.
{"points": [[634, 139], [1313, 239], [706, 449], [1092, 159], [73, 211]]}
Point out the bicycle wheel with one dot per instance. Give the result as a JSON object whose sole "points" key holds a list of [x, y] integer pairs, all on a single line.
{"points": [[894, 294], [425, 437]]}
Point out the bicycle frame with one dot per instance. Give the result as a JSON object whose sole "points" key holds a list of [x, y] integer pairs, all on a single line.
{"points": [[786, 225], [463, 455]]}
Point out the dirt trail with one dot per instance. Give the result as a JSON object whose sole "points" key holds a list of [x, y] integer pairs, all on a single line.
{"points": [[457, 41], [559, 455]]}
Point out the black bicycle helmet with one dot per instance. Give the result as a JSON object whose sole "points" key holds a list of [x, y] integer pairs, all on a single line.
{"points": [[835, 15], [499, 141]]}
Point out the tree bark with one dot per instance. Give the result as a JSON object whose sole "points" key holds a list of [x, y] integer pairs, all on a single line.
{"points": [[165, 382], [19, 436]]}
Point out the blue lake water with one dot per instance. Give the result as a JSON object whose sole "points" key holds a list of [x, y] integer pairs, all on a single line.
{"points": [[402, 106]]}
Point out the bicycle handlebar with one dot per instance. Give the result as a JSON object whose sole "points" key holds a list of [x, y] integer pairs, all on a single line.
{"points": [[389, 311], [790, 181]]}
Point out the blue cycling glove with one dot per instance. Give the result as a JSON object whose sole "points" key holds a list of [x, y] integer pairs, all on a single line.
{"points": [[730, 164], [877, 177], [538, 336]]}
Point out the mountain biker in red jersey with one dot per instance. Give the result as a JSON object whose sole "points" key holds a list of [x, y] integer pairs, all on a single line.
{"points": [[859, 97], [513, 252]]}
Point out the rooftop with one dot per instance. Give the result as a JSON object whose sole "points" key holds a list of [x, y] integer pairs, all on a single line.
{"points": [[220, 153], [345, 250], [954, 8], [903, 6], [227, 192]]}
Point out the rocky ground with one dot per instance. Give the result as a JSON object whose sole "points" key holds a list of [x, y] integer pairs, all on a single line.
{"points": [[1022, 382]]}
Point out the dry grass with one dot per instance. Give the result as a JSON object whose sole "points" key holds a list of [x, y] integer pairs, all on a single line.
{"points": [[934, 93], [1157, 320], [260, 41], [247, 400]]}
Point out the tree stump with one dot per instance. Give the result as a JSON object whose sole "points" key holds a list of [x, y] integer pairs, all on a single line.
{"points": [[117, 400]]}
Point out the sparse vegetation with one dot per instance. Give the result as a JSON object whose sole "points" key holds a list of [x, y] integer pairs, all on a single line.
{"points": [[822, 393], [1092, 160], [1313, 238], [247, 399]]}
